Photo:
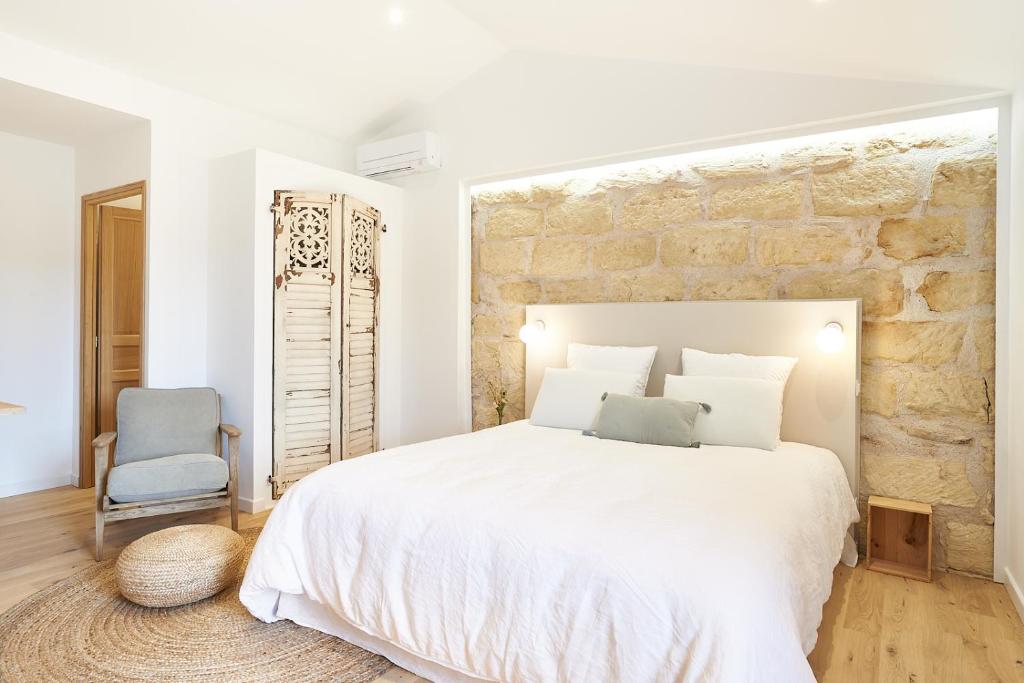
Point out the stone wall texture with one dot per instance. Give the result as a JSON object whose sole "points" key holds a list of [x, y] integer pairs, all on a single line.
{"points": [[904, 221]]}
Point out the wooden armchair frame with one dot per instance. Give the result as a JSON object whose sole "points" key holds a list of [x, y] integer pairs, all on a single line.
{"points": [[110, 511]]}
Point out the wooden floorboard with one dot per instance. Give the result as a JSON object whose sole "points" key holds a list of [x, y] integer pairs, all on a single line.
{"points": [[874, 627]]}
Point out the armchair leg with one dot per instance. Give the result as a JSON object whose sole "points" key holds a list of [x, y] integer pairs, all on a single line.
{"points": [[99, 535], [234, 511]]}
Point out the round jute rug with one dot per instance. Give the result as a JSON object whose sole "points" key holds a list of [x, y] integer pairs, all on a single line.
{"points": [[81, 629]]}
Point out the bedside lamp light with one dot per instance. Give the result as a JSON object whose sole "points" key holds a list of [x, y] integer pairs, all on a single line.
{"points": [[831, 338], [531, 332]]}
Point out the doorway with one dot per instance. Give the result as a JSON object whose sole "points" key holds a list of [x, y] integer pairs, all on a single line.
{"points": [[113, 305]]}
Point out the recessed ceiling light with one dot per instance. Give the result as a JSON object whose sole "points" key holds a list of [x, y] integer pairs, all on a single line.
{"points": [[395, 15]]}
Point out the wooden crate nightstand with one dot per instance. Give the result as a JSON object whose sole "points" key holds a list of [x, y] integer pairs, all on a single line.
{"points": [[900, 537]]}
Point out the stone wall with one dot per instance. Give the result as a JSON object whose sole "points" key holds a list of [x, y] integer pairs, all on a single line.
{"points": [[905, 221]]}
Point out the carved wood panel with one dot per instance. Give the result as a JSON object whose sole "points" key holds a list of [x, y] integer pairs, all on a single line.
{"points": [[325, 332]]}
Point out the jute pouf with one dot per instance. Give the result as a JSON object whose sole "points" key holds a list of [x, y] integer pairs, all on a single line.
{"points": [[179, 565], [81, 629]]}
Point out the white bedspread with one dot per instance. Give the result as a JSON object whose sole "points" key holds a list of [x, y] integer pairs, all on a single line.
{"points": [[524, 553]]}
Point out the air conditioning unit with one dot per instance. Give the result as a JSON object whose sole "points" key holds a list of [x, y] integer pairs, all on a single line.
{"points": [[404, 155]]}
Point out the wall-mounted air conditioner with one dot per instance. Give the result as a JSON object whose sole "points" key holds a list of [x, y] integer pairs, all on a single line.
{"points": [[413, 153]]}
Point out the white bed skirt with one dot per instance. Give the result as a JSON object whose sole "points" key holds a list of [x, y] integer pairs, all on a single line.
{"points": [[305, 612]]}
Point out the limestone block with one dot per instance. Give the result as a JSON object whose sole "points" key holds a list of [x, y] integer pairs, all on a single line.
{"points": [[988, 238], [764, 201], [911, 238], [967, 182], [587, 216], [739, 288], [931, 480], [502, 195], [801, 245], [700, 245], [514, 221], [654, 208], [931, 342], [520, 292], [725, 168], [656, 286], [954, 291], [881, 290], [939, 432], [866, 189], [574, 291], [487, 325], [826, 157], [506, 257], [625, 254], [878, 391], [985, 342], [559, 257], [968, 547], [940, 393]]}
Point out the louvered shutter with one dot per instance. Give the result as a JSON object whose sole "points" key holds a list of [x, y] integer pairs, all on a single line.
{"points": [[308, 265], [360, 343]]}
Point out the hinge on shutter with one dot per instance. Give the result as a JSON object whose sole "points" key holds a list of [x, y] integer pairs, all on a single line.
{"points": [[383, 227]]}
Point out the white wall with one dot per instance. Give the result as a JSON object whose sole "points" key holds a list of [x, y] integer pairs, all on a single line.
{"points": [[1010, 476], [115, 159], [526, 112], [186, 133], [241, 274], [37, 311]]}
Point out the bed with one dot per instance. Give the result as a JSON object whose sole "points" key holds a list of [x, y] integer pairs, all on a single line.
{"points": [[525, 553]]}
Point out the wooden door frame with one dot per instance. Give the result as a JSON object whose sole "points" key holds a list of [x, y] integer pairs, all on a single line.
{"points": [[88, 366]]}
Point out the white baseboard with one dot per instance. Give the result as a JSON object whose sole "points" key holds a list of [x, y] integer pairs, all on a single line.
{"points": [[1013, 588], [74, 480], [254, 505], [17, 488]]}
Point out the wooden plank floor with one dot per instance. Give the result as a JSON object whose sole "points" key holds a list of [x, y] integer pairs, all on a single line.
{"points": [[875, 627]]}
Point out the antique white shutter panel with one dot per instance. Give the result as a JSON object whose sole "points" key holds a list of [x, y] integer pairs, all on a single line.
{"points": [[308, 267], [361, 301]]}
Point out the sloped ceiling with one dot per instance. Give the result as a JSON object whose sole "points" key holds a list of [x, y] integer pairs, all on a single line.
{"points": [[332, 66], [962, 42], [340, 67]]}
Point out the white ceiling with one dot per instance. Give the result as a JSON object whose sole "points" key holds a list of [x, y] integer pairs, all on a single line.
{"points": [[42, 115], [964, 42], [961, 42], [340, 67], [332, 66]]}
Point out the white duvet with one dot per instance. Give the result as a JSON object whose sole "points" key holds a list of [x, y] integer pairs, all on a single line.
{"points": [[525, 553]]}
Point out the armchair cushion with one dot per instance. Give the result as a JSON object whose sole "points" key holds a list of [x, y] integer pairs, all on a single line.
{"points": [[173, 476], [154, 423]]}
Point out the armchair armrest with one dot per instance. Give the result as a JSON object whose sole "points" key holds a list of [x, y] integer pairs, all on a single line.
{"points": [[104, 439], [234, 441], [101, 445], [230, 430]]}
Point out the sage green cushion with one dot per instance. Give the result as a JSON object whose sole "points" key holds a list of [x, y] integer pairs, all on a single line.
{"points": [[652, 420], [173, 476], [153, 423]]}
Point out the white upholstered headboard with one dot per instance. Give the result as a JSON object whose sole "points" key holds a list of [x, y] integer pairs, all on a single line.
{"points": [[822, 403]]}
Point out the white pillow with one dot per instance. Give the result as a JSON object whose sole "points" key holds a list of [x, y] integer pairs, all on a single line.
{"points": [[571, 399], [636, 360], [775, 368], [745, 411]]}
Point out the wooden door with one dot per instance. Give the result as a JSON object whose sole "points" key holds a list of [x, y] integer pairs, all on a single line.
{"points": [[121, 248]]}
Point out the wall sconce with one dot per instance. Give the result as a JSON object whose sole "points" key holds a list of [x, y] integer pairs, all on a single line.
{"points": [[532, 332], [831, 338]]}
